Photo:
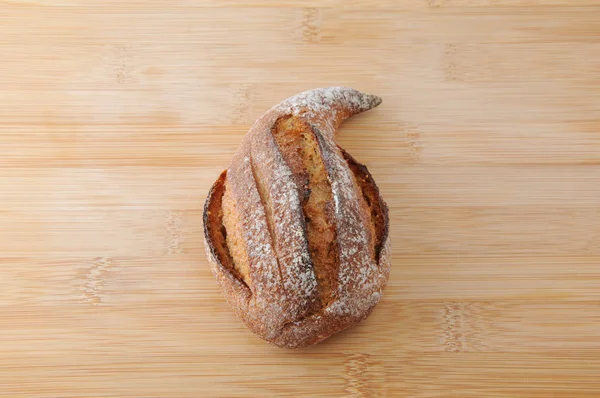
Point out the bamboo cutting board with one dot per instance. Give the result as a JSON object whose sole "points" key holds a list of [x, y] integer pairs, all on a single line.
{"points": [[117, 115]]}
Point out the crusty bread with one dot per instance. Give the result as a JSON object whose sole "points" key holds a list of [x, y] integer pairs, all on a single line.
{"points": [[295, 229]]}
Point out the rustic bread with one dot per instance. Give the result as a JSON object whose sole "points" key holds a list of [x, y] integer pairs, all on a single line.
{"points": [[295, 230]]}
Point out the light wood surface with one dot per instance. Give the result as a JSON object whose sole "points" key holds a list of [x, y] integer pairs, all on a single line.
{"points": [[117, 115]]}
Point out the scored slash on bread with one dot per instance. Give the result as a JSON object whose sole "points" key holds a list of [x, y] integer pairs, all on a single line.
{"points": [[296, 230]]}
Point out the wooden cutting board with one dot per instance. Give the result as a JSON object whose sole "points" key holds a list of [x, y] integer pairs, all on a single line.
{"points": [[117, 115]]}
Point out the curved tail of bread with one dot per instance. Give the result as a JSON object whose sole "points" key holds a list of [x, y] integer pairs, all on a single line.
{"points": [[327, 108]]}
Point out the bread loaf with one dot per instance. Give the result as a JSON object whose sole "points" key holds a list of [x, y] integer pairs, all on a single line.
{"points": [[295, 229]]}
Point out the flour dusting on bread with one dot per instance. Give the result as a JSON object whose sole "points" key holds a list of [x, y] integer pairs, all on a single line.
{"points": [[314, 258]]}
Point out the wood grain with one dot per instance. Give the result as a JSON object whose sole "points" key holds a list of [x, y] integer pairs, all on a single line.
{"points": [[117, 116]]}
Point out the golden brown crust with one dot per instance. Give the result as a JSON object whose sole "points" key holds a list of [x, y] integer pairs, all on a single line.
{"points": [[370, 191], [300, 149], [296, 230], [231, 229]]}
